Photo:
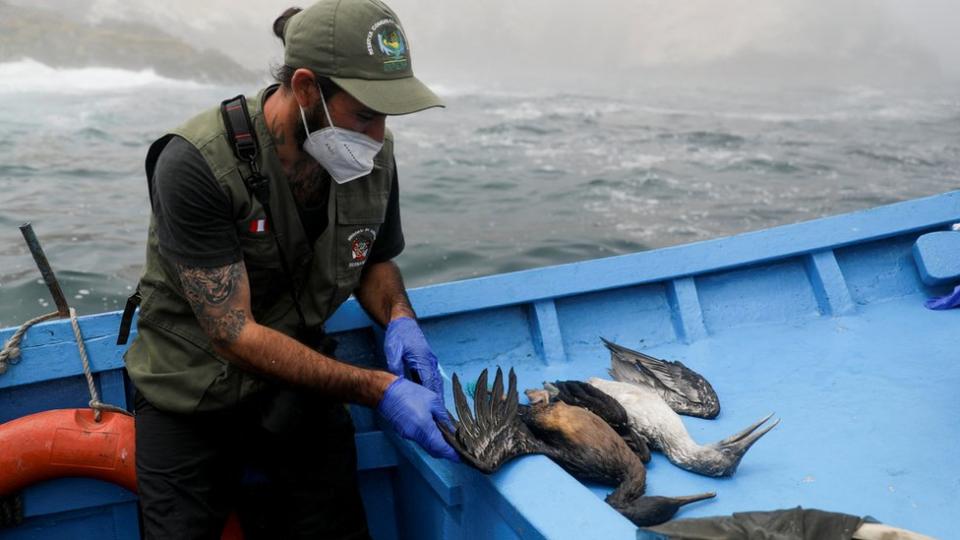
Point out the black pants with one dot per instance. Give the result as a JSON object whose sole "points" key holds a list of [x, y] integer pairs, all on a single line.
{"points": [[285, 462]]}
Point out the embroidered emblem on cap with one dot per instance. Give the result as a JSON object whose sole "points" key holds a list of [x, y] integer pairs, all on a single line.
{"points": [[390, 43], [361, 240]]}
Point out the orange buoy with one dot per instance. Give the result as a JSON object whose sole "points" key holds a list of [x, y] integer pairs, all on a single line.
{"points": [[67, 442]]}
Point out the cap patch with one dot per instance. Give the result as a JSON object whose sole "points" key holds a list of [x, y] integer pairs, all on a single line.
{"points": [[386, 39]]}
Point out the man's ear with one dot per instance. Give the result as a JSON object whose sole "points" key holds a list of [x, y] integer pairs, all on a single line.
{"points": [[304, 87]]}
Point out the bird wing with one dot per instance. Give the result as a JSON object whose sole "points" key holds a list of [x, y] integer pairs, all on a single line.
{"points": [[630, 368], [581, 394], [493, 434], [685, 390]]}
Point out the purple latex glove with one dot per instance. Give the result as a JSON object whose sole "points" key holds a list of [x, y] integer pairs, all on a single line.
{"points": [[949, 301], [406, 347], [414, 411]]}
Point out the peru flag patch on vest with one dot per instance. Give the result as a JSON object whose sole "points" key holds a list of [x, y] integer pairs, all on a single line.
{"points": [[258, 225]]}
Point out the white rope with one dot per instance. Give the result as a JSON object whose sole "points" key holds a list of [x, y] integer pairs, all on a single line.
{"points": [[95, 402], [11, 352], [11, 349]]}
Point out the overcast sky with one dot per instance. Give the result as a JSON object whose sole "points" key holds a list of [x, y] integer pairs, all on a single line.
{"points": [[497, 39]]}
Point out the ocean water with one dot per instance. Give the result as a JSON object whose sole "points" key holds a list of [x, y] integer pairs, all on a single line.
{"points": [[501, 180]]}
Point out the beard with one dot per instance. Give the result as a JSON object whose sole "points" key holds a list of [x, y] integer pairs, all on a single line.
{"points": [[315, 121], [308, 180]]}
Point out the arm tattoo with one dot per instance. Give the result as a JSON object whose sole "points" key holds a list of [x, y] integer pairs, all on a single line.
{"points": [[209, 285], [217, 297]]}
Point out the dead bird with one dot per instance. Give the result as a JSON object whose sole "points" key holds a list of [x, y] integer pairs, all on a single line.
{"points": [[608, 409], [499, 429], [684, 390], [653, 419]]}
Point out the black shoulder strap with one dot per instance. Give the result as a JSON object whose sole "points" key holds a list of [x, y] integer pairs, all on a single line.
{"points": [[126, 320], [243, 138]]}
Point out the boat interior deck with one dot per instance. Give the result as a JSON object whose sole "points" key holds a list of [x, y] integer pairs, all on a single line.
{"points": [[867, 401]]}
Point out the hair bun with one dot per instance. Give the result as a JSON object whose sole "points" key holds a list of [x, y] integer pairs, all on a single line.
{"points": [[280, 25]]}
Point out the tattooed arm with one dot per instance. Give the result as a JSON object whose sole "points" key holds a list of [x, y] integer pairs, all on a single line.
{"points": [[382, 294], [220, 298]]}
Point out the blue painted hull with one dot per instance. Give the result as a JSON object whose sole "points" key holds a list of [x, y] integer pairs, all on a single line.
{"points": [[820, 322]]}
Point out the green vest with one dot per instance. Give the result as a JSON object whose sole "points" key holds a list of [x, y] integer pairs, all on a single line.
{"points": [[171, 361]]}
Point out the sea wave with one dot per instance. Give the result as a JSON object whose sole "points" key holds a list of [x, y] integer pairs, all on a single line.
{"points": [[28, 75]]}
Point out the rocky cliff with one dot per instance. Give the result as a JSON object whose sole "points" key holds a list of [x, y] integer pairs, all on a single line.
{"points": [[62, 41]]}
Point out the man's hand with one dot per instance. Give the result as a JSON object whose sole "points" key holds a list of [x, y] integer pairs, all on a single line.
{"points": [[405, 346], [414, 411]]}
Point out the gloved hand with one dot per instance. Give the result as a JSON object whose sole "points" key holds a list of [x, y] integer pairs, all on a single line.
{"points": [[405, 346], [949, 301], [414, 411]]}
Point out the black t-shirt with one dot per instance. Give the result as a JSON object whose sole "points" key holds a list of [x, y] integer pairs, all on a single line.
{"points": [[195, 222]]}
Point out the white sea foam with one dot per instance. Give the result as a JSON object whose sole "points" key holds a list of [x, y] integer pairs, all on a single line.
{"points": [[523, 110], [445, 90], [641, 161], [28, 75]]}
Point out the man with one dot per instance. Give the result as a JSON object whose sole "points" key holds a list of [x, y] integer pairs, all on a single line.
{"points": [[258, 234]]}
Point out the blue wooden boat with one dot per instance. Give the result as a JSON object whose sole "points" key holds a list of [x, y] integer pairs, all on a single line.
{"points": [[821, 322]]}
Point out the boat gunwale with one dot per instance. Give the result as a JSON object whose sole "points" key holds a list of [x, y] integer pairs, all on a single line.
{"points": [[670, 263]]}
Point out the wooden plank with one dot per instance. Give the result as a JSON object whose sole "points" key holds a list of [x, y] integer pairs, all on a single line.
{"points": [[42, 362], [374, 451], [113, 388], [439, 474], [546, 333], [685, 309], [67, 494], [829, 285]]}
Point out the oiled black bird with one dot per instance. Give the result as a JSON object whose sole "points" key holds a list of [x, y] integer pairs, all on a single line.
{"points": [[684, 390], [500, 429], [608, 409]]}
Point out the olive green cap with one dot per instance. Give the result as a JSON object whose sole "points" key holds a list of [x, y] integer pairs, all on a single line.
{"points": [[361, 46]]}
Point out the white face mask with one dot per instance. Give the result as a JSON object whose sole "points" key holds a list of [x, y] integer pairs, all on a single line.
{"points": [[345, 154]]}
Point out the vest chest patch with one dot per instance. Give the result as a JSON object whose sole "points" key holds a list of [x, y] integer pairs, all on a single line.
{"points": [[361, 240]]}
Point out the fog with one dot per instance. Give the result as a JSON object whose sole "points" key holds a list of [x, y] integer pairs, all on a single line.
{"points": [[506, 43]]}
